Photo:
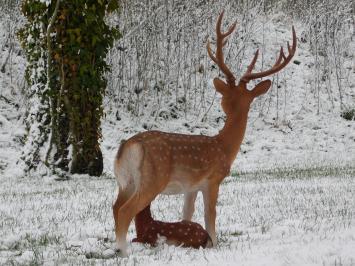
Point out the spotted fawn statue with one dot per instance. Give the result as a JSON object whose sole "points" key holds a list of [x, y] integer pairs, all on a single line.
{"points": [[184, 233]]}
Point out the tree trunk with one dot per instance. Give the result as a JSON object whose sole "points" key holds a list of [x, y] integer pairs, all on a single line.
{"points": [[73, 53]]}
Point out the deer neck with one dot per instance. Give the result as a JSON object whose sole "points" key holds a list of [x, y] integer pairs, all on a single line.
{"points": [[232, 134]]}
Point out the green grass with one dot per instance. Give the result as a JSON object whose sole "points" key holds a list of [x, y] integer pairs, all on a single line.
{"points": [[293, 172]]}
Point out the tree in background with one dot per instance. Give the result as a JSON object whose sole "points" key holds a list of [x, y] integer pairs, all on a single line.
{"points": [[66, 41]]}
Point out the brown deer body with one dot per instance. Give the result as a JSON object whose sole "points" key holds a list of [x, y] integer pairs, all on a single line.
{"points": [[155, 162], [184, 233]]}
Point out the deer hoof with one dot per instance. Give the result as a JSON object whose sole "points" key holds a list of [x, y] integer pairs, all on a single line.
{"points": [[209, 243], [121, 253]]}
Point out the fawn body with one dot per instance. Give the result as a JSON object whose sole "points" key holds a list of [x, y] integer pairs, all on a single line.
{"points": [[184, 233]]}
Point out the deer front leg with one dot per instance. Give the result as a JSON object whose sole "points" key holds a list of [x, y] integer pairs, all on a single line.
{"points": [[189, 205], [210, 195]]}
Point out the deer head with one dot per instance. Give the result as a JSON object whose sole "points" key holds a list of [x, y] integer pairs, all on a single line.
{"points": [[236, 98]]}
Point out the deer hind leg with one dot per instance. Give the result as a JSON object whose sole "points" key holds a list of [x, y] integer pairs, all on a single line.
{"points": [[126, 168], [189, 205], [147, 184], [136, 203], [122, 198]]}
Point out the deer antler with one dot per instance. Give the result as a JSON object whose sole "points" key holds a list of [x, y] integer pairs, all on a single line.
{"points": [[220, 42], [280, 63]]}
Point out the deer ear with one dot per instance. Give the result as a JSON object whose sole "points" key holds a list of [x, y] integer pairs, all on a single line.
{"points": [[220, 86], [261, 88]]}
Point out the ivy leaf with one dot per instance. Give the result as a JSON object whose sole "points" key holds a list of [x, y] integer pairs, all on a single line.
{"points": [[112, 6]]}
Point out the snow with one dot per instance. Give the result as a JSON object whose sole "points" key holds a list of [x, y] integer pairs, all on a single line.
{"points": [[303, 219], [289, 201]]}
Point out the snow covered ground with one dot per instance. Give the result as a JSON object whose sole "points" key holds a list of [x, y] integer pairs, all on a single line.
{"points": [[290, 199], [297, 218]]}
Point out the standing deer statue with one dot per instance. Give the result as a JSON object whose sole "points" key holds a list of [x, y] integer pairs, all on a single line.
{"points": [[184, 233], [155, 162]]}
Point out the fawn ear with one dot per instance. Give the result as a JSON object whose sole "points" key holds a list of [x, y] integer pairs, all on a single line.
{"points": [[221, 86], [261, 88]]}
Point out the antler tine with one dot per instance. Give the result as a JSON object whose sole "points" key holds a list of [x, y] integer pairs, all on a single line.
{"points": [[294, 39], [219, 24], [281, 56], [220, 42], [252, 64], [280, 63], [209, 51]]}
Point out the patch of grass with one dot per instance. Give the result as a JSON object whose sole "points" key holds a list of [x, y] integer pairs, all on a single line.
{"points": [[45, 239], [236, 233], [291, 172], [3, 165], [348, 114]]}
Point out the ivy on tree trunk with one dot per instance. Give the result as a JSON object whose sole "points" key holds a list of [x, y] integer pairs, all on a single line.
{"points": [[70, 51]]}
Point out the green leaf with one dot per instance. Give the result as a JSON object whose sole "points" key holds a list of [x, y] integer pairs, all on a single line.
{"points": [[112, 6]]}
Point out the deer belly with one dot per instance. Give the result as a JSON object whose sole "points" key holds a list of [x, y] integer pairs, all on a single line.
{"points": [[182, 182], [174, 187]]}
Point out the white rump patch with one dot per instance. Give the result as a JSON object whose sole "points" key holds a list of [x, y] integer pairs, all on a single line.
{"points": [[126, 168]]}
